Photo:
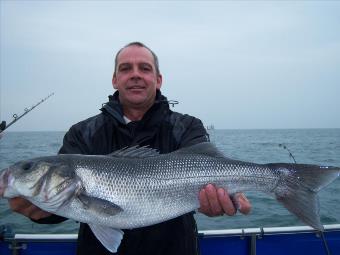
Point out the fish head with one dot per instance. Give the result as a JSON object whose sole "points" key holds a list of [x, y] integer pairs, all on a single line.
{"points": [[39, 179]]}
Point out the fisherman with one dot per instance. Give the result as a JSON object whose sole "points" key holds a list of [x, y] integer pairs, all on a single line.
{"points": [[138, 114]]}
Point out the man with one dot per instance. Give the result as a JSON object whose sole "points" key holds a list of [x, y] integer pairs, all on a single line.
{"points": [[138, 113]]}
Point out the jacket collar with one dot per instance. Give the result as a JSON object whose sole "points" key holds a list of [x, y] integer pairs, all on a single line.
{"points": [[157, 111]]}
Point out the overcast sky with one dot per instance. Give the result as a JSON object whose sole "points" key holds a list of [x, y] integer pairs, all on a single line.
{"points": [[233, 64]]}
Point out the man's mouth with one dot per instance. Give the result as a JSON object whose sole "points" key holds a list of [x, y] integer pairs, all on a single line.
{"points": [[136, 87]]}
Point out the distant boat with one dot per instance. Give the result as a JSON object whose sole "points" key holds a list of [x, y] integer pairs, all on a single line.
{"points": [[210, 127]]}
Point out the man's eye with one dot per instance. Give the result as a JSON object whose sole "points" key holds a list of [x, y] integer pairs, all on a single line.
{"points": [[124, 68], [146, 68]]}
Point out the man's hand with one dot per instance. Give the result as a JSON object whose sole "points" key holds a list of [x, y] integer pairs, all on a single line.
{"points": [[24, 207], [216, 201]]}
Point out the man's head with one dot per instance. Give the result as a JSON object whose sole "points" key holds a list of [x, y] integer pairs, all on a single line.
{"points": [[136, 76], [155, 58]]}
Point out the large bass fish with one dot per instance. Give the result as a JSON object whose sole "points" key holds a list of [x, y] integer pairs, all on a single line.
{"points": [[137, 186]]}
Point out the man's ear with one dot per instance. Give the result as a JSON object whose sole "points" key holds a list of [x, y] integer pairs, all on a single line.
{"points": [[114, 81], [159, 81]]}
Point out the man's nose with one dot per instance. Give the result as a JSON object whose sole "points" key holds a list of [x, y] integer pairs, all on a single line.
{"points": [[135, 73]]}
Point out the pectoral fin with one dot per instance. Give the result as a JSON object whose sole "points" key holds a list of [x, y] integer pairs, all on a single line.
{"points": [[109, 237], [98, 205]]}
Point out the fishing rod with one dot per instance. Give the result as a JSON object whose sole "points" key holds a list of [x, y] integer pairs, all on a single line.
{"points": [[286, 148], [3, 125]]}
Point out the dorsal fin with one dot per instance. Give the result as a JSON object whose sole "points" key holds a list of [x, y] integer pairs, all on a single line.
{"points": [[205, 148], [135, 152]]}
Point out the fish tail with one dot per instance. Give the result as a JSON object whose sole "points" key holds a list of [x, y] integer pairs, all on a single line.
{"points": [[298, 187]]}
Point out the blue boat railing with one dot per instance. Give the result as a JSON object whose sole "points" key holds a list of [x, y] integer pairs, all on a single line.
{"points": [[275, 240], [250, 241]]}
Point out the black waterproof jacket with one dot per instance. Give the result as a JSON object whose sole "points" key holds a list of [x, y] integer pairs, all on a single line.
{"points": [[161, 129]]}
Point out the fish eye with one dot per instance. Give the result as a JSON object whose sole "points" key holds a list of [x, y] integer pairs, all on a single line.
{"points": [[27, 166]]}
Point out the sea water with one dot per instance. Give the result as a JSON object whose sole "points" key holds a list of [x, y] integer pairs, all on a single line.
{"points": [[313, 146]]}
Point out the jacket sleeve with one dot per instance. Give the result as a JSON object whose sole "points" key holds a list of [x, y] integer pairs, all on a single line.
{"points": [[194, 133], [72, 144]]}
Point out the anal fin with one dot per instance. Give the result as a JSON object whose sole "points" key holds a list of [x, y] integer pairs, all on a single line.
{"points": [[109, 237]]}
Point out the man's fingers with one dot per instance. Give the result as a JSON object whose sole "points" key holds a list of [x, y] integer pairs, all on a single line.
{"points": [[18, 204], [204, 203], [243, 203], [214, 202], [37, 214], [226, 203], [24, 207]]}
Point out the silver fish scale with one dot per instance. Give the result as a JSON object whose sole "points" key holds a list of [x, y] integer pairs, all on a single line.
{"points": [[168, 184]]}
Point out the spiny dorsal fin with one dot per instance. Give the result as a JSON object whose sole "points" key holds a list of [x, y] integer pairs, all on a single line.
{"points": [[135, 152], [205, 148]]}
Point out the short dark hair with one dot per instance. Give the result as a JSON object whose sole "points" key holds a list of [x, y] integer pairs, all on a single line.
{"points": [[139, 44]]}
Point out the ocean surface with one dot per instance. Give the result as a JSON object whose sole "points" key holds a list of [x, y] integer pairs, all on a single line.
{"points": [[314, 146]]}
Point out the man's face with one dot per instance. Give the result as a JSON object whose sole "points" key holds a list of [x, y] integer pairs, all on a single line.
{"points": [[136, 78]]}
